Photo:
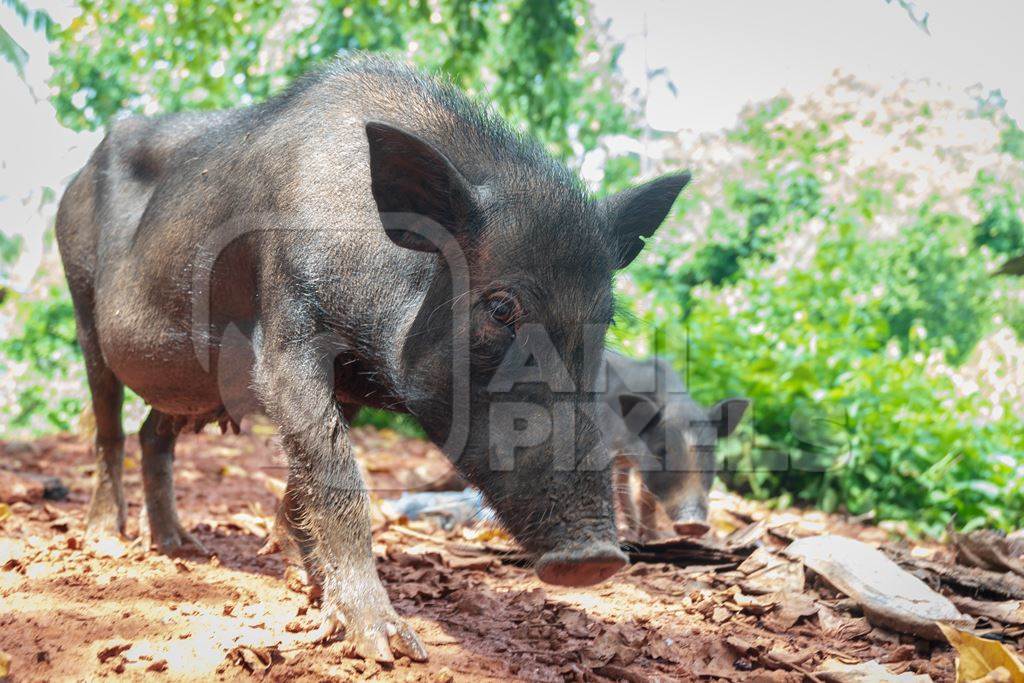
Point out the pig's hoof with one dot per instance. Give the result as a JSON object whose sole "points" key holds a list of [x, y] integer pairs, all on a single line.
{"points": [[376, 637], [177, 541], [104, 522]]}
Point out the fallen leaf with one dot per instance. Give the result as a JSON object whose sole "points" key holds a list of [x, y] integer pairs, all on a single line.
{"points": [[532, 599], [792, 608], [574, 622], [5, 511], [890, 596], [476, 604], [986, 549], [251, 524], [719, 663], [1009, 612], [5, 665], [231, 470], [766, 572], [835, 625], [17, 488], [112, 651], [276, 487], [835, 671], [978, 658], [721, 615], [618, 644], [255, 659], [469, 563], [664, 648], [158, 666], [756, 605], [415, 589], [619, 673]]}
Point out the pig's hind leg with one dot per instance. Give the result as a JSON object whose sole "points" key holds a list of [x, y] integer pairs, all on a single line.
{"points": [[166, 533], [107, 511]]}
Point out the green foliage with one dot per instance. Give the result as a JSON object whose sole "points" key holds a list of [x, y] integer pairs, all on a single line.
{"points": [[1013, 140], [10, 50], [524, 56], [845, 349], [406, 425], [45, 364], [1002, 225], [10, 248]]}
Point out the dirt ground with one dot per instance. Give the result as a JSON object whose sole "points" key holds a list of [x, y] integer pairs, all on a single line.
{"points": [[69, 614]]}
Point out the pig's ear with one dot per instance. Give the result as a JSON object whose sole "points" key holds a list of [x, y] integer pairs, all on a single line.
{"points": [[727, 414], [637, 212], [639, 412], [417, 190]]}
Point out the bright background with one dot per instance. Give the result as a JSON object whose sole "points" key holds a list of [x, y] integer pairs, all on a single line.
{"points": [[858, 181]]}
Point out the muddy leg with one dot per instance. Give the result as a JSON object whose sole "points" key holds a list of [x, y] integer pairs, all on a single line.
{"points": [[328, 505], [107, 512], [282, 537], [165, 530]]}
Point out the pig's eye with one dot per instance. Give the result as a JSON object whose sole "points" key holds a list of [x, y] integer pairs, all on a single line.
{"points": [[503, 308]]}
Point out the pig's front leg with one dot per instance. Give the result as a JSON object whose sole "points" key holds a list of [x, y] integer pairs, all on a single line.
{"points": [[329, 507]]}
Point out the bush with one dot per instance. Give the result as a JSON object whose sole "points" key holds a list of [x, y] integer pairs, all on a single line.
{"points": [[845, 320], [44, 384]]}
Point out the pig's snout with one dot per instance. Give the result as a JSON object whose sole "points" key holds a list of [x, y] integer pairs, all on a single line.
{"points": [[692, 519], [691, 527], [580, 567]]}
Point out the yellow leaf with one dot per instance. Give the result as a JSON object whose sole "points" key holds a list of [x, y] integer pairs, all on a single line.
{"points": [[980, 659], [5, 511], [5, 665], [232, 471]]}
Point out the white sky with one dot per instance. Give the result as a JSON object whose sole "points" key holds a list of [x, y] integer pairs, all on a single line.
{"points": [[721, 54]]}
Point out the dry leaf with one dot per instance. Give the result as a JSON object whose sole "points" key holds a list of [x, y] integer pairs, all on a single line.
{"points": [[664, 648], [980, 659], [5, 511], [890, 596], [1005, 612], [841, 627], [768, 573], [835, 671], [112, 651], [756, 605], [986, 549], [256, 659], [5, 665], [574, 622], [791, 609]]}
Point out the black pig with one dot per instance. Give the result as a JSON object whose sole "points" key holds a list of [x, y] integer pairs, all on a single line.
{"points": [[669, 439], [367, 238]]}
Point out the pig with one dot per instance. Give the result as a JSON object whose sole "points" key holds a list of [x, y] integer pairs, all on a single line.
{"points": [[368, 237], [663, 434]]}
